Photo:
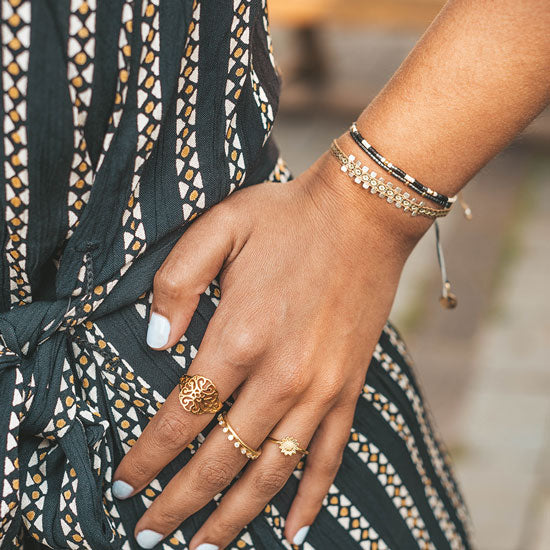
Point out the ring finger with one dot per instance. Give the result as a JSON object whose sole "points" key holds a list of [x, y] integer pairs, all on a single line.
{"points": [[260, 482]]}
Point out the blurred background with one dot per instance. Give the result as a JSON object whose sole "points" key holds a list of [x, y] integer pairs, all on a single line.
{"points": [[483, 367]]}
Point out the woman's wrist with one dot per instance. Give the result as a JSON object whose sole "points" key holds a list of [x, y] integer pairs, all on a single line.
{"points": [[363, 211]]}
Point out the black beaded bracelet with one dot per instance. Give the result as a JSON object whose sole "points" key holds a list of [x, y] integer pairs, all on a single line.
{"points": [[403, 177]]}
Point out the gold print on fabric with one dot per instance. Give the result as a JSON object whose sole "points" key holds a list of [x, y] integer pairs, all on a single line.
{"points": [[16, 35]]}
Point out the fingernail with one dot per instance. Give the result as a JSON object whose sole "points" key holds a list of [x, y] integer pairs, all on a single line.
{"points": [[207, 546], [158, 331], [121, 489], [301, 535], [148, 538]]}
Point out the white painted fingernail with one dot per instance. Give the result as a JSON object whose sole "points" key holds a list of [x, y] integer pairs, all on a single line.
{"points": [[121, 489], [301, 535], [148, 538], [158, 331], [207, 546]]}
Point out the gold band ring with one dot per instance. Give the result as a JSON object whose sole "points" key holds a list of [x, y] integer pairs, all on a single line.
{"points": [[288, 445], [235, 439], [198, 395]]}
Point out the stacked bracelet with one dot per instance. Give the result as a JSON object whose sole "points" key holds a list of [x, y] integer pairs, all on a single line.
{"points": [[397, 173], [384, 189]]}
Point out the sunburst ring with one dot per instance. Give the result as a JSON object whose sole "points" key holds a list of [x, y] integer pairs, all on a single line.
{"points": [[198, 395], [288, 445]]}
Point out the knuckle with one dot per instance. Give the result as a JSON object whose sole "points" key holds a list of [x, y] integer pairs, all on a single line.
{"points": [[296, 381], [227, 528], [139, 469], [171, 430], [269, 481], [244, 346], [331, 390], [167, 283], [328, 465], [287, 391], [225, 212], [169, 517], [214, 475]]}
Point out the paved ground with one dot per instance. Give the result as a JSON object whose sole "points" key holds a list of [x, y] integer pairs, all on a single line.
{"points": [[504, 418], [484, 367]]}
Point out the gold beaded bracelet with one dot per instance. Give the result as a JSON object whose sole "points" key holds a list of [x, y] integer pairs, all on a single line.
{"points": [[384, 189]]}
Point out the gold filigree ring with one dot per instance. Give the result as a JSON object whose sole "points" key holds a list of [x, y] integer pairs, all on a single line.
{"points": [[198, 395], [288, 445], [245, 449]]}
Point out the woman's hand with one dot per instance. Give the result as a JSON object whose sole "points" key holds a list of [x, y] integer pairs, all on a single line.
{"points": [[308, 271]]}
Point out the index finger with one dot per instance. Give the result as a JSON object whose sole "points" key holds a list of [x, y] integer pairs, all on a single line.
{"points": [[173, 428]]}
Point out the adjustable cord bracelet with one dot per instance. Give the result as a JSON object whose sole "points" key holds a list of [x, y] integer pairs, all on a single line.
{"points": [[385, 189], [397, 173]]}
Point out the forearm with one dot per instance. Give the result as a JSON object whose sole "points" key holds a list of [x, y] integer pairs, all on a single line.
{"points": [[476, 78]]}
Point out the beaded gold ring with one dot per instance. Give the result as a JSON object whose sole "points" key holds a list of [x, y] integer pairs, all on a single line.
{"points": [[238, 443]]}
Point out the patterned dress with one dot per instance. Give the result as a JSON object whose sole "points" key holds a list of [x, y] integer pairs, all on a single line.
{"points": [[124, 120]]}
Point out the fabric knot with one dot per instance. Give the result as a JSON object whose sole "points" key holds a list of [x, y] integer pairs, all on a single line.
{"points": [[23, 328], [46, 414]]}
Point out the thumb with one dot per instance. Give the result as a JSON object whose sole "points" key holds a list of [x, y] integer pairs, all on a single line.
{"points": [[190, 267]]}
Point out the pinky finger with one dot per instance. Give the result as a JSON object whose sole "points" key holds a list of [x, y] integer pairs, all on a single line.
{"points": [[326, 450]]}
